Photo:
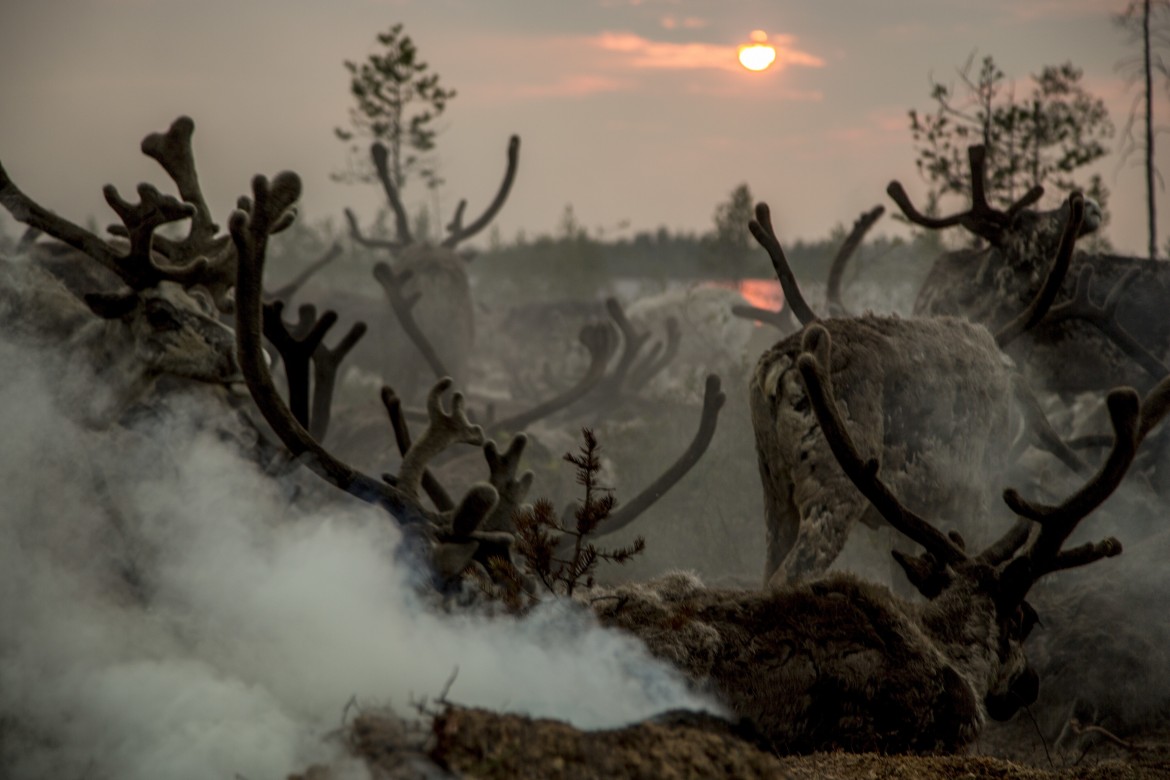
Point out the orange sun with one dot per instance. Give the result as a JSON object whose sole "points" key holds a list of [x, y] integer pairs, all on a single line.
{"points": [[757, 55]]}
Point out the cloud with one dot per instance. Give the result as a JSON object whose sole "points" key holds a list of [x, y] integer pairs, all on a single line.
{"points": [[645, 53], [567, 86]]}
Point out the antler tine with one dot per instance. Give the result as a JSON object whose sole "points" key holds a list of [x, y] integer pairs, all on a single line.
{"points": [[250, 235], [326, 362], [1058, 522], [512, 490], [981, 218], [660, 356], [156, 209], [287, 291], [813, 364], [27, 239], [1048, 291], [1154, 407], [172, 150], [837, 270], [380, 155], [1104, 318], [977, 163], [434, 489], [601, 342], [456, 231], [896, 192], [761, 228], [296, 347], [445, 428], [781, 320], [632, 343], [355, 233], [1031, 196], [392, 285], [713, 400], [141, 220]]}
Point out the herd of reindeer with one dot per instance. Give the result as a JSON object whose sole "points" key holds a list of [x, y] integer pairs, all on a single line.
{"points": [[917, 424]]}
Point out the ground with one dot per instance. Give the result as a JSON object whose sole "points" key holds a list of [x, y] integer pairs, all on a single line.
{"points": [[476, 743]]}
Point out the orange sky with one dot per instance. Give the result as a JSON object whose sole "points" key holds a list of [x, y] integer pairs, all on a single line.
{"points": [[633, 111]]}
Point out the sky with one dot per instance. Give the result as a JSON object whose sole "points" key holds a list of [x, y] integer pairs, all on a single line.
{"points": [[635, 112]]}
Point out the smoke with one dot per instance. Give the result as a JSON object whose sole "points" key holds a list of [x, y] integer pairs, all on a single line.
{"points": [[168, 612]]}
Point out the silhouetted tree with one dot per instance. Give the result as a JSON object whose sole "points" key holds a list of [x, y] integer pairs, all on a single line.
{"points": [[1139, 21], [730, 244], [397, 101], [1042, 138]]}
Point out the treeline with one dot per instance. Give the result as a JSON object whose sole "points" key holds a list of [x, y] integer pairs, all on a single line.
{"points": [[580, 265]]}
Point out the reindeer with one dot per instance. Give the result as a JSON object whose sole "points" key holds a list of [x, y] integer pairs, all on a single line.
{"points": [[935, 395], [988, 284], [451, 535], [434, 274], [163, 322], [839, 663]]}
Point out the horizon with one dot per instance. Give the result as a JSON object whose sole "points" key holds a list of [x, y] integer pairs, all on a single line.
{"points": [[634, 112]]}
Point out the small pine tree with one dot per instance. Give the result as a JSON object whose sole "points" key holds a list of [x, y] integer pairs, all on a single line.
{"points": [[539, 535]]}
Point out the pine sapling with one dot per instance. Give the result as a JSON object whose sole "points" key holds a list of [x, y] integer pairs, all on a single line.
{"points": [[539, 535]]}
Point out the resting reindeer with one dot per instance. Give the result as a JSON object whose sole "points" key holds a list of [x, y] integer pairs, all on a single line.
{"points": [[838, 663], [164, 320], [989, 284], [936, 396]]}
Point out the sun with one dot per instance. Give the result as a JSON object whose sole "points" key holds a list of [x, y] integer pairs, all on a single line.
{"points": [[759, 54]]}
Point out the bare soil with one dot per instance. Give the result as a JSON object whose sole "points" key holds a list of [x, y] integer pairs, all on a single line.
{"points": [[475, 743]]}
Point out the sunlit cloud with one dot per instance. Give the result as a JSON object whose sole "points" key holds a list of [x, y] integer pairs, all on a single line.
{"points": [[671, 22], [571, 86], [645, 53], [580, 85]]}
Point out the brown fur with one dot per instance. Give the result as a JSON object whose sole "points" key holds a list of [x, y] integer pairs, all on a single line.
{"points": [[993, 284], [930, 398], [835, 663], [166, 332]]}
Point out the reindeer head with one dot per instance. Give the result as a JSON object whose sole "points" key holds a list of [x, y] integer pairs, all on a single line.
{"points": [[168, 330], [1024, 235]]}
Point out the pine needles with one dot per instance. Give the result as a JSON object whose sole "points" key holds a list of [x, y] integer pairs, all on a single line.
{"points": [[557, 557]]}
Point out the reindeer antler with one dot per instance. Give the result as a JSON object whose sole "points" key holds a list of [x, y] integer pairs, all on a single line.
{"points": [[456, 232], [250, 234], [200, 258], [1104, 318], [761, 228], [981, 219], [837, 270], [1022, 563], [403, 309], [813, 364], [1048, 291], [713, 400]]}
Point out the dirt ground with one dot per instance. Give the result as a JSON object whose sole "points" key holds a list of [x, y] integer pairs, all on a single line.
{"points": [[475, 743]]}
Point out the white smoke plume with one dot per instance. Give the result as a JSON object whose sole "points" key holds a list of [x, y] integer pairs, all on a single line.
{"points": [[167, 613]]}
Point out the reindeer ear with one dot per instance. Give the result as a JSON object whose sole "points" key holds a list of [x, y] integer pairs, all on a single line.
{"points": [[112, 306]]}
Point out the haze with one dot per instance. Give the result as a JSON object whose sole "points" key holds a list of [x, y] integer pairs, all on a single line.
{"points": [[633, 111]]}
